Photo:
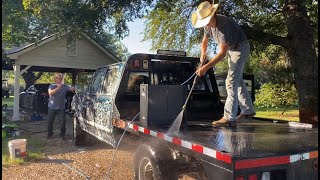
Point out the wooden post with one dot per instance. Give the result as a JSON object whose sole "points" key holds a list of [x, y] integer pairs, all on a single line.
{"points": [[16, 115]]}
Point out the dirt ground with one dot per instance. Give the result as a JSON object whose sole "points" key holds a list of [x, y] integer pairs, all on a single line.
{"points": [[64, 160]]}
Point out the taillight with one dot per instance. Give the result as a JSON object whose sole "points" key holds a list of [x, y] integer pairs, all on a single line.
{"points": [[253, 177], [240, 178]]}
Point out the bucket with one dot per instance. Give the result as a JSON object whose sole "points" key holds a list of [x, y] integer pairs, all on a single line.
{"points": [[17, 148]]}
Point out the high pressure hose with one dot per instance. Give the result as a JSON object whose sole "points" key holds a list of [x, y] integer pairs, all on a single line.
{"points": [[114, 153], [188, 79]]}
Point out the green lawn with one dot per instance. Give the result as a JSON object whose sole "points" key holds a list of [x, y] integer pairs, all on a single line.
{"points": [[34, 145], [290, 114], [8, 101]]}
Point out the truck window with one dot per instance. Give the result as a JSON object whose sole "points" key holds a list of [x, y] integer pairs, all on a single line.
{"points": [[96, 80], [109, 83], [134, 81]]}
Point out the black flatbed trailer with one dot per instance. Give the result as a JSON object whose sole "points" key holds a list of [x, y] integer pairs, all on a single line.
{"points": [[154, 87]]}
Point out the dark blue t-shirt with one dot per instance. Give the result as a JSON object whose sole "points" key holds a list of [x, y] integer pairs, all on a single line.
{"points": [[57, 100], [227, 31]]}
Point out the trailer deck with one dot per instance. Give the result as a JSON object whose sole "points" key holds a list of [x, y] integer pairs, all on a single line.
{"points": [[250, 144], [254, 139]]}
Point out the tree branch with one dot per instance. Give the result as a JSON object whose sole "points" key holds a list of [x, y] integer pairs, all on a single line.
{"points": [[277, 10], [260, 36]]}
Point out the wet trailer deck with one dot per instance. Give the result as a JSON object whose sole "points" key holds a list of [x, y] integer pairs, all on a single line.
{"points": [[249, 146], [253, 139]]}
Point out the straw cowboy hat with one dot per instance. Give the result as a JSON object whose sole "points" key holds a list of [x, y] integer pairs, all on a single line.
{"points": [[203, 14]]}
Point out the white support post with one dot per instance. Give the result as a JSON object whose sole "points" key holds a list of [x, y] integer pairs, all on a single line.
{"points": [[16, 115]]}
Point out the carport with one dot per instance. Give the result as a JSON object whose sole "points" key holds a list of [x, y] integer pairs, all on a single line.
{"points": [[53, 54]]}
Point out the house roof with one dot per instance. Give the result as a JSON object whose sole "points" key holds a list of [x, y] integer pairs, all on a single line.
{"points": [[14, 52]]}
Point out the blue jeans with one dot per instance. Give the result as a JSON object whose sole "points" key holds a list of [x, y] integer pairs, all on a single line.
{"points": [[51, 116], [237, 93]]}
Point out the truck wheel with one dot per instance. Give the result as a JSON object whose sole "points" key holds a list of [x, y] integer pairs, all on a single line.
{"points": [[79, 135], [151, 163]]}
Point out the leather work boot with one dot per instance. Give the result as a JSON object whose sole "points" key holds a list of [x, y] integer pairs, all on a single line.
{"points": [[222, 122], [245, 116]]}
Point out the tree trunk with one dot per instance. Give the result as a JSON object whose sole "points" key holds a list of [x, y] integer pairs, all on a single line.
{"points": [[30, 78], [304, 60]]}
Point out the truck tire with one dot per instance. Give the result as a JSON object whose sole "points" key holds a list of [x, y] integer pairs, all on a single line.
{"points": [[151, 162], [79, 135]]}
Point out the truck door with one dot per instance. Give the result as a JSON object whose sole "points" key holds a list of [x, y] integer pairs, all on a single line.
{"points": [[90, 98], [103, 107]]}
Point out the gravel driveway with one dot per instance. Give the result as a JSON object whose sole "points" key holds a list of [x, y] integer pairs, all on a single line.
{"points": [[67, 161]]}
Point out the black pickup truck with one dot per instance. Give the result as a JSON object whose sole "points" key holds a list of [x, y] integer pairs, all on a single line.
{"points": [[145, 94]]}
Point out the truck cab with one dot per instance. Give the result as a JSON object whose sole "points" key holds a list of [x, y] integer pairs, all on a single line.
{"points": [[114, 92]]}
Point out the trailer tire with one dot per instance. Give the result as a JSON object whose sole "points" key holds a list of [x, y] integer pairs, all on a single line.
{"points": [[151, 162], [79, 135]]}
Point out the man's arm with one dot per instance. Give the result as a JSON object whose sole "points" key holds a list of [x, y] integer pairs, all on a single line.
{"points": [[55, 90], [218, 57], [204, 45]]}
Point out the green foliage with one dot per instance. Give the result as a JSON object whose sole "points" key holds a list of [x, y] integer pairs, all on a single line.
{"points": [[222, 66], [79, 16], [15, 23], [271, 65], [168, 26], [81, 81], [7, 101], [274, 95], [111, 43], [6, 160]]}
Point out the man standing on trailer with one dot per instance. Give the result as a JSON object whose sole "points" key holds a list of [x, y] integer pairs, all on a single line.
{"points": [[232, 40]]}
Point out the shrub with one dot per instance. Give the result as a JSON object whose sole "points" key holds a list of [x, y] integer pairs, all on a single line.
{"points": [[275, 95]]}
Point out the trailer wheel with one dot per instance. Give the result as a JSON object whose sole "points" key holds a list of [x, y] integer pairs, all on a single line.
{"points": [[151, 163], [79, 135]]}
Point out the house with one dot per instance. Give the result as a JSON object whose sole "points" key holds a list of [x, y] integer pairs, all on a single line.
{"points": [[54, 54]]}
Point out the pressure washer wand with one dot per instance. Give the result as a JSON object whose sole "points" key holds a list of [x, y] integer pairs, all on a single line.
{"points": [[193, 84]]}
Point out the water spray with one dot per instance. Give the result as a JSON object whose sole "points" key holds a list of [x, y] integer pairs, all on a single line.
{"points": [[175, 127]]}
